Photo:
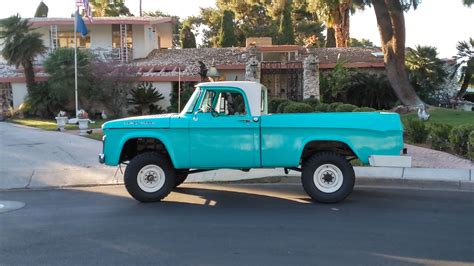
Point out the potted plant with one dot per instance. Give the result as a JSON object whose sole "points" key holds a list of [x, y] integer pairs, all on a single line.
{"points": [[83, 120], [61, 120]]}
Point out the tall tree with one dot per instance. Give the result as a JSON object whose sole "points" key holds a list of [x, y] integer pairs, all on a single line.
{"points": [[21, 45], [465, 64], [186, 37], [336, 14], [110, 8], [391, 24], [307, 27], [286, 32], [227, 33], [41, 10]]}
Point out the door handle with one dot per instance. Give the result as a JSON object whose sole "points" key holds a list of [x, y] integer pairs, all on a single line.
{"points": [[245, 120]]}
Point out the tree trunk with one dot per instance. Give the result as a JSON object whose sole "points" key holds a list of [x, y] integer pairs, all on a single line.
{"points": [[391, 23], [330, 37], [465, 84], [341, 17], [29, 75]]}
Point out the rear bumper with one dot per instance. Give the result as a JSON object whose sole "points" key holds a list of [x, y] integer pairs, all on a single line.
{"points": [[390, 161]]}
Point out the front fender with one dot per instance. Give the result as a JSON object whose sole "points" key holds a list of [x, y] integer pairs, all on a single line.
{"points": [[116, 140]]}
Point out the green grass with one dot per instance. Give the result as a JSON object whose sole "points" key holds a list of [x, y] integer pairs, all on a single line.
{"points": [[445, 116], [96, 136], [44, 124], [50, 124]]}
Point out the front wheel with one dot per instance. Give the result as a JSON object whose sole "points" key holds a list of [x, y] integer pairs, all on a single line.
{"points": [[149, 177], [327, 177]]}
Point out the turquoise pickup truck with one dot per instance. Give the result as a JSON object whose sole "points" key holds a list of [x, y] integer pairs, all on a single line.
{"points": [[227, 125]]}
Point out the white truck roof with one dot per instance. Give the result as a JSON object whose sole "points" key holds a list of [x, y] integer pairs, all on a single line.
{"points": [[252, 89]]}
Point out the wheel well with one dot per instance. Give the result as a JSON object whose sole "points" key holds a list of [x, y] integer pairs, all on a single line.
{"points": [[331, 146], [136, 146]]}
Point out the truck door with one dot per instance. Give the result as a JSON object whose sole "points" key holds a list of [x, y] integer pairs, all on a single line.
{"points": [[222, 132]]}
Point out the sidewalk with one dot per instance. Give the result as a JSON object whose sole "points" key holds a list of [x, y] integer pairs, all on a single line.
{"points": [[32, 158]]}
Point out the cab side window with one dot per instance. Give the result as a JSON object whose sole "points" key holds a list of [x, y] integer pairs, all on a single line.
{"points": [[230, 103]]}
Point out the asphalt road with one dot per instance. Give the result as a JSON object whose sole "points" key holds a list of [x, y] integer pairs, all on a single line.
{"points": [[265, 224]]}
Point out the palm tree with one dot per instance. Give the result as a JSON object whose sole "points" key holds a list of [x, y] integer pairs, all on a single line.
{"points": [[464, 64], [21, 45], [336, 15], [425, 70]]}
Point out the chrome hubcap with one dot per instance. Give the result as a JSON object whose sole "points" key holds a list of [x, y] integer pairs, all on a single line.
{"points": [[328, 178], [151, 178]]}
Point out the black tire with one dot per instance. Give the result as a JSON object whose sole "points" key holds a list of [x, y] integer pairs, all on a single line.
{"points": [[181, 176], [325, 187], [149, 159]]}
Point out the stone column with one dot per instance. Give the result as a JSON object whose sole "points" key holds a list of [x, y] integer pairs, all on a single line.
{"points": [[311, 77], [252, 67]]}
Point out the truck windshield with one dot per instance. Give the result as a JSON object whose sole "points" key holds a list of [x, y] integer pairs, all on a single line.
{"points": [[189, 107]]}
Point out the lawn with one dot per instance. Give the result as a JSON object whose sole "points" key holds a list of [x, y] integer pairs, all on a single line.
{"points": [[445, 116], [49, 124], [96, 136]]}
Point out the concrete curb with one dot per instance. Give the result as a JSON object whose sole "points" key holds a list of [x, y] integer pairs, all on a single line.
{"points": [[403, 177], [435, 174]]}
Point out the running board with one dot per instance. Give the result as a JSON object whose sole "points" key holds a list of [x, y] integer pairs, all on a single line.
{"points": [[389, 161]]}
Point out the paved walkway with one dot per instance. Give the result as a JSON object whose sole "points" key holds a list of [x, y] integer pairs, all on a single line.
{"points": [[423, 157]]}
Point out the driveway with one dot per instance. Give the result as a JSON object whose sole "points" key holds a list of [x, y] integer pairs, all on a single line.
{"points": [[31, 157], [256, 224]]}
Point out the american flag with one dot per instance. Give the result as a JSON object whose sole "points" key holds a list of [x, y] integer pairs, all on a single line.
{"points": [[87, 8]]}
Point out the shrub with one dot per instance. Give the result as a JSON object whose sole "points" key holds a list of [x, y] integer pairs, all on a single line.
{"points": [[298, 108], [274, 103], [345, 108], [471, 146], [469, 96], [333, 106], [39, 101], [370, 90], [112, 82], [322, 107], [459, 138], [282, 106], [416, 131], [439, 136], [60, 68], [364, 109], [144, 98], [312, 101]]}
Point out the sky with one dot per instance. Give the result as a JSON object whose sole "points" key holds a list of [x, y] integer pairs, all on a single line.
{"points": [[434, 22]]}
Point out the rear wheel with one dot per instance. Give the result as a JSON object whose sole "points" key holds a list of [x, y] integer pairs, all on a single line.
{"points": [[149, 177], [328, 177]]}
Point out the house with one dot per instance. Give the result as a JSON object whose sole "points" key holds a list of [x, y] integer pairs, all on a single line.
{"points": [[288, 71], [122, 39]]}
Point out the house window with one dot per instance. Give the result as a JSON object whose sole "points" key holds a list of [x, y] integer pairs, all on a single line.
{"points": [[66, 40], [116, 43]]}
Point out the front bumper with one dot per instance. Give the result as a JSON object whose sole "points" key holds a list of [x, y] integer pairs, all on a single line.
{"points": [[101, 158]]}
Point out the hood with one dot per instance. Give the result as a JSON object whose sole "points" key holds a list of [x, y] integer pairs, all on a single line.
{"points": [[148, 121]]}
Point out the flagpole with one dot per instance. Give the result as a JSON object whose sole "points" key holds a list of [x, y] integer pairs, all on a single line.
{"points": [[179, 90], [75, 60]]}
